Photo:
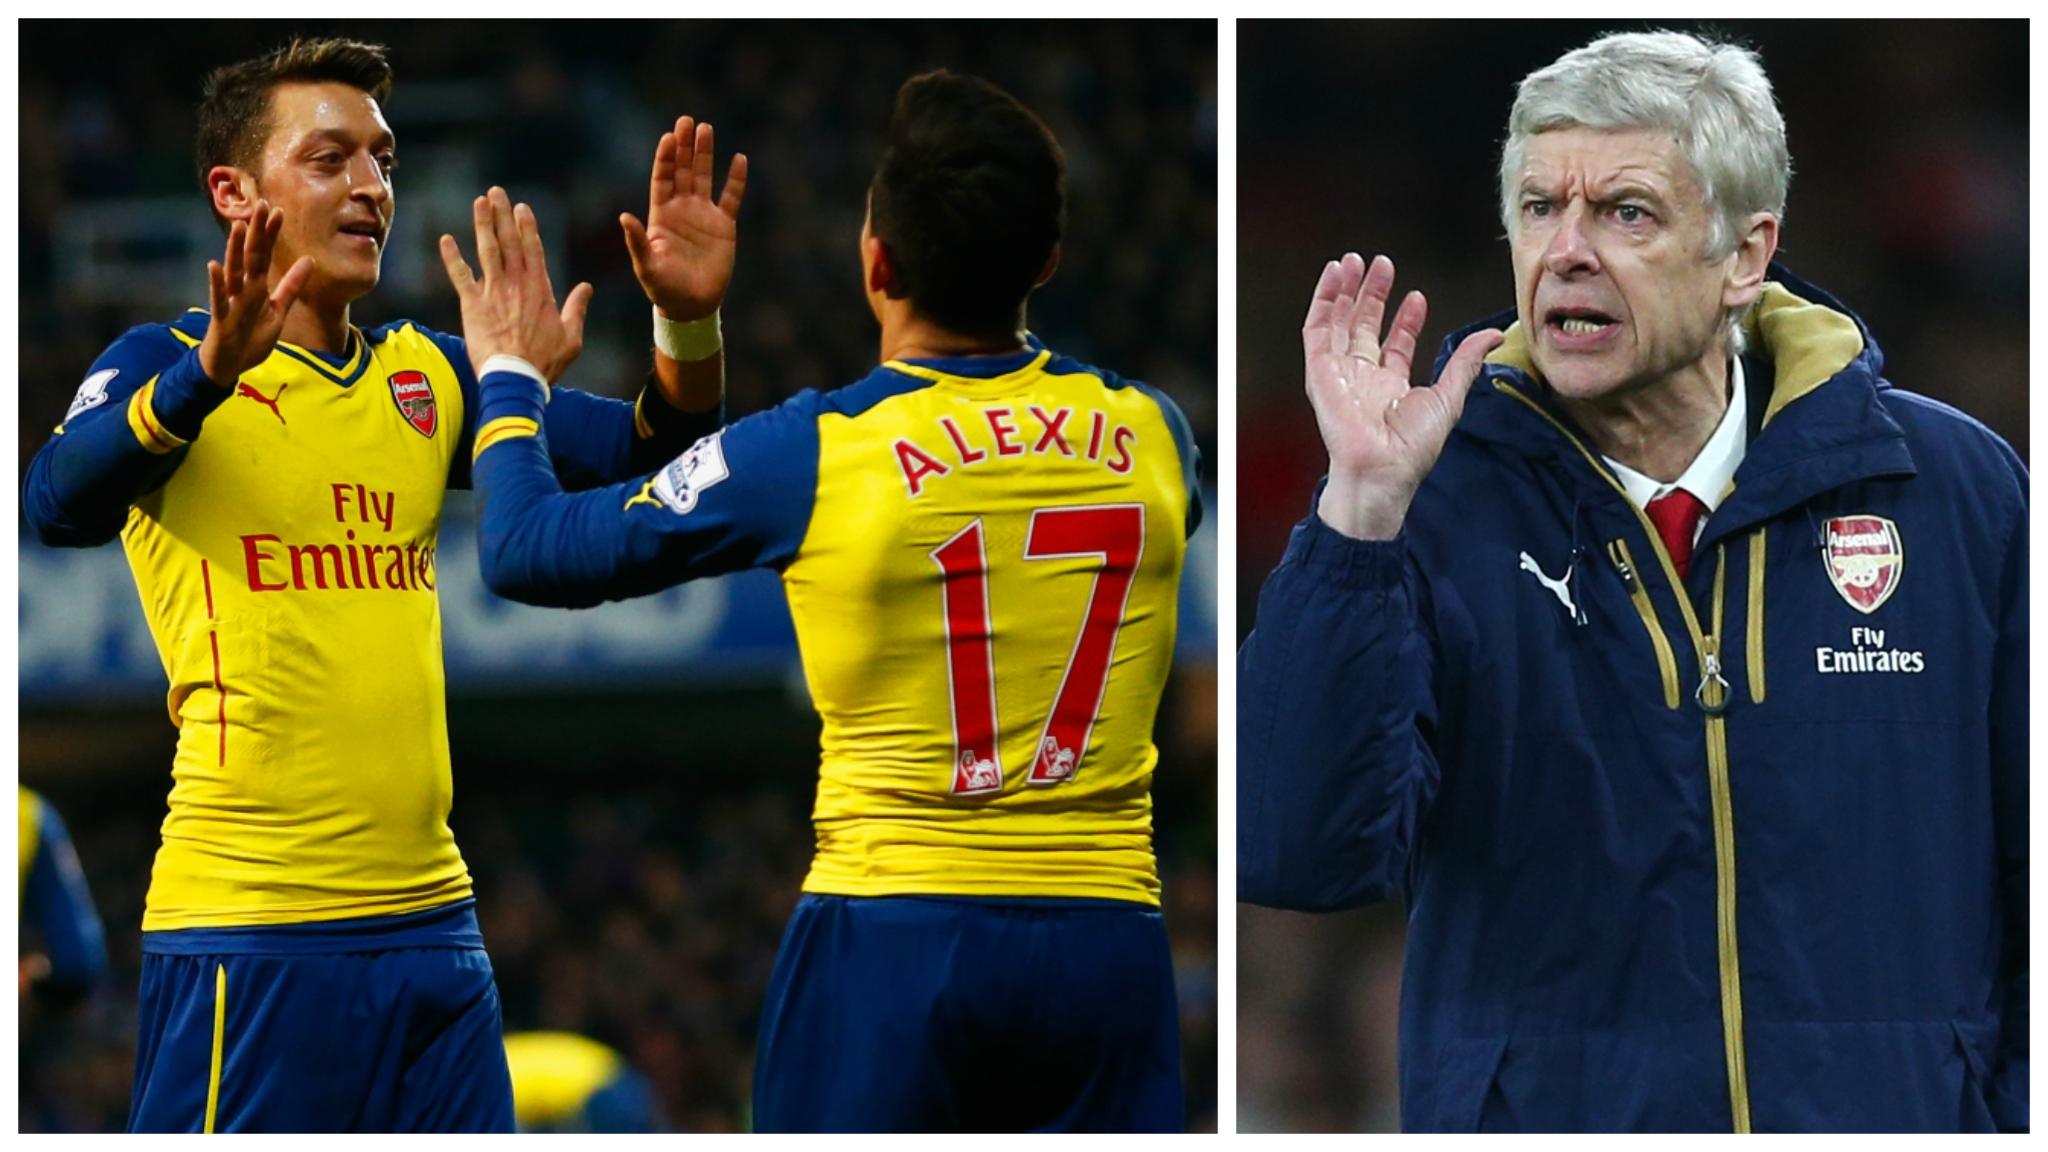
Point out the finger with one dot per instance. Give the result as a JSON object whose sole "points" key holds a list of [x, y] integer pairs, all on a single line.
{"points": [[1344, 306], [458, 269], [661, 179], [489, 261], [636, 242], [685, 155], [216, 289], [735, 186], [1399, 355], [700, 165], [1350, 274], [262, 242], [1371, 309], [1455, 383], [532, 256], [507, 230], [290, 283], [1314, 334], [231, 264], [573, 311]]}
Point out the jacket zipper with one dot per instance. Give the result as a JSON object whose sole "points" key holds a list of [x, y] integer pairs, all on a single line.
{"points": [[1712, 696]]}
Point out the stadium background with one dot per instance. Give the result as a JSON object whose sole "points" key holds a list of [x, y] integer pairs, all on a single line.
{"points": [[1908, 203], [633, 785]]}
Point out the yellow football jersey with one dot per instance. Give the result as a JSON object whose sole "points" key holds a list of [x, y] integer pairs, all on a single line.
{"points": [[287, 573], [982, 557], [985, 599], [286, 564]]}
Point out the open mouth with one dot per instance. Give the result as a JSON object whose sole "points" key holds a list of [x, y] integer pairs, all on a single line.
{"points": [[370, 232], [1580, 323]]}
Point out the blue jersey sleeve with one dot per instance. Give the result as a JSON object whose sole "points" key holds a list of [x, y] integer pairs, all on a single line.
{"points": [[1336, 769], [592, 440], [142, 402], [56, 903], [739, 498]]}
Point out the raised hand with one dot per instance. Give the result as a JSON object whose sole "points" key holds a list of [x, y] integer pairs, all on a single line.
{"points": [[247, 313], [510, 309], [683, 254], [1383, 436]]}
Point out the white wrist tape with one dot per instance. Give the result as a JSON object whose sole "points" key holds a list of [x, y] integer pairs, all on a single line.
{"points": [[688, 340], [504, 363]]}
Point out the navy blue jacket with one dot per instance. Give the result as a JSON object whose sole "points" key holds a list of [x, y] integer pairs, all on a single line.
{"points": [[1745, 850]]}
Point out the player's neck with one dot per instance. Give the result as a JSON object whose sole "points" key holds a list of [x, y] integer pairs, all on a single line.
{"points": [[317, 326], [914, 338]]}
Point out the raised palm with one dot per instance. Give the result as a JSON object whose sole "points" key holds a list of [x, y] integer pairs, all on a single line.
{"points": [[1383, 434], [683, 254], [247, 313]]}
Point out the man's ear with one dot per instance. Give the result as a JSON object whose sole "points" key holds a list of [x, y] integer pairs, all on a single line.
{"points": [[232, 190], [1752, 259], [1052, 265], [881, 268]]}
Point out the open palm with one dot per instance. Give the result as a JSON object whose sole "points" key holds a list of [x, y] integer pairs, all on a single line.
{"points": [[247, 313], [683, 254], [1383, 434]]}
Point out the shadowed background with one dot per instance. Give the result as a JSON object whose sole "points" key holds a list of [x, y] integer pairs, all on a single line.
{"points": [[1908, 203]]}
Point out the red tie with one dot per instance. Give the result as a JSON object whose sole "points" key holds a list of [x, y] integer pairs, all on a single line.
{"points": [[1677, 516]]}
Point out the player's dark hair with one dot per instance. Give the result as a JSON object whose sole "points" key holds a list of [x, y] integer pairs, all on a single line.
{"points": [[234, 105], [970, 198]]}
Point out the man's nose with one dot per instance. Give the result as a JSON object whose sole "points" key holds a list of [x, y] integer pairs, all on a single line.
{"points": [[1571, 249], [366, 178]]}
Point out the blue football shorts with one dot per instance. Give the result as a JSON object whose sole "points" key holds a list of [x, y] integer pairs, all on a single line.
{"points": [[952, 1014], [388, 1024]]}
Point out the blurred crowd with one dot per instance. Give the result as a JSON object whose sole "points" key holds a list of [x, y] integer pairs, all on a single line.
{"points": [[115, 230], [636, 898], [1908, 203]]}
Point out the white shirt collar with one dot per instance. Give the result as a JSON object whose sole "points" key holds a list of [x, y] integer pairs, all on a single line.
{"points": [[1710, 473]]}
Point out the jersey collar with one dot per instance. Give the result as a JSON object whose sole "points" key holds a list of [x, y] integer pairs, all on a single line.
{"points": [[1033, 355], [344, 369]]}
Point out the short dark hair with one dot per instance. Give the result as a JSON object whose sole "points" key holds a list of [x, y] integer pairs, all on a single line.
{"points": [[234, 106], [970, 197]]}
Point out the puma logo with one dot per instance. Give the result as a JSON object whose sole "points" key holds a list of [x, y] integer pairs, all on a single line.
{"points": [[1561, 587], [242, 389]]}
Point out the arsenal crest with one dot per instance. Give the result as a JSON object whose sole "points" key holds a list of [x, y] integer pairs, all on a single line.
{"points": [[1864, 557], [415, 398]]}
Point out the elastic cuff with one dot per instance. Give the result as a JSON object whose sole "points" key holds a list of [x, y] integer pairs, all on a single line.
{"points": [[1347, 563], [183, 397], [507, 385], [503, 362], [688, 340]]}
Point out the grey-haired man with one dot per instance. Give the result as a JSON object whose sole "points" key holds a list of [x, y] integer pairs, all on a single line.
{"points": [[1708, 812]]}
